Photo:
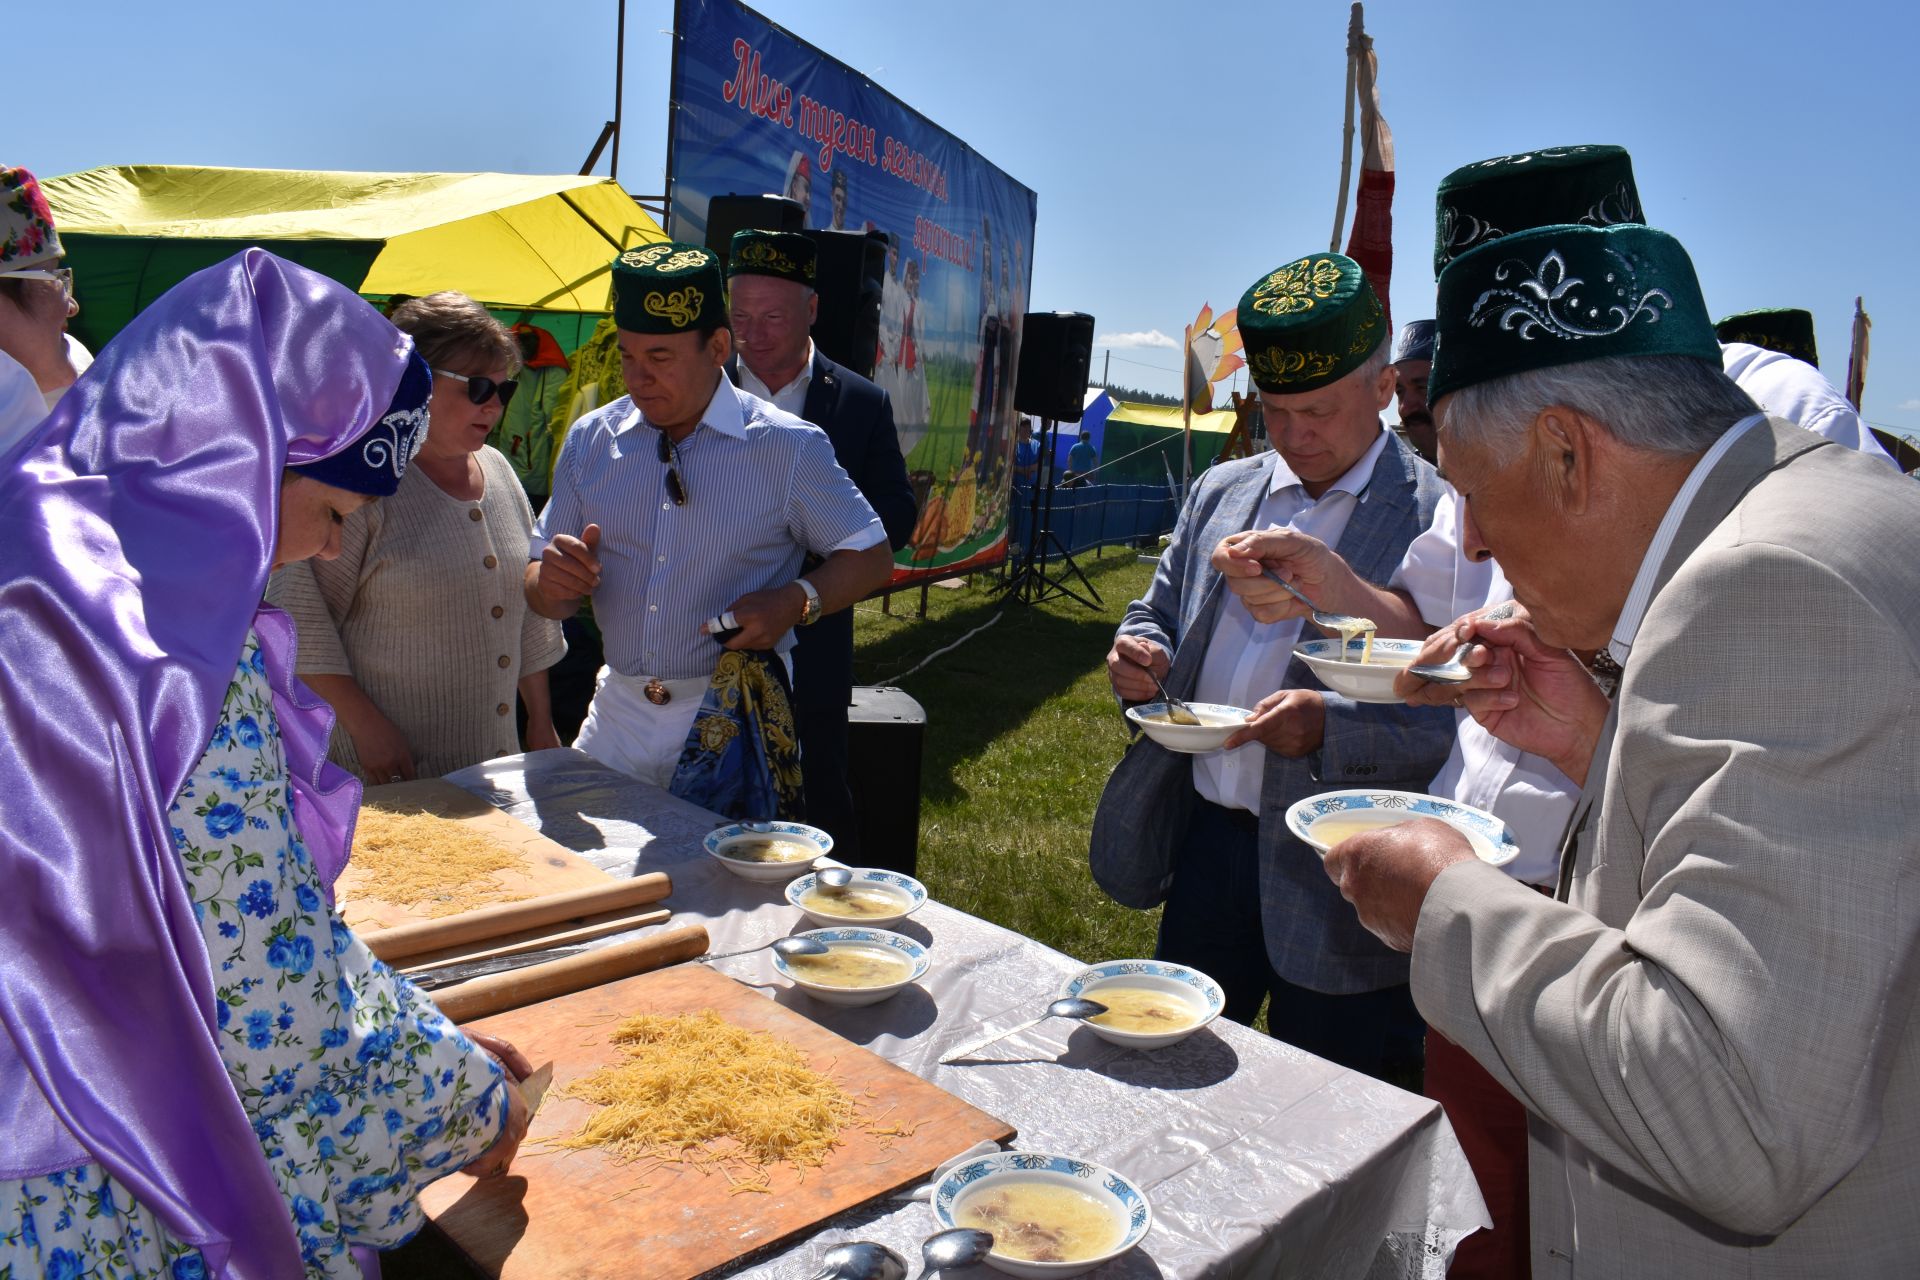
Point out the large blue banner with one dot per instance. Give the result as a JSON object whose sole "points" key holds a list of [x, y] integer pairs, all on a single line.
{"points": [[755, 110]]}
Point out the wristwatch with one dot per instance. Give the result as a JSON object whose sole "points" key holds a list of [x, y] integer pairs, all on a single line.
{"points": [[810, 614]]}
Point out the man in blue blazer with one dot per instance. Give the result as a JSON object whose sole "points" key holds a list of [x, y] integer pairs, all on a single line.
{"points": [[1244, 901], [772, 306]]}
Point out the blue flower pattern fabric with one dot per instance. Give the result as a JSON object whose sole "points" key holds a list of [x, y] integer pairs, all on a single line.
{"points": [[361, 1092]]}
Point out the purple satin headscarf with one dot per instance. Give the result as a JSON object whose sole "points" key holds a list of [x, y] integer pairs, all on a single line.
{"points": [[137, 528]]}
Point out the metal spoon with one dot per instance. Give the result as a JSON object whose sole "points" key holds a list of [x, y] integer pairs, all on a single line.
{"points": [[756, 825], [1065, 1007], [956, 1247], [862, 1260], [1331, 622], [1453, 671], [1177, 711], [788, 947], [834, 878]]}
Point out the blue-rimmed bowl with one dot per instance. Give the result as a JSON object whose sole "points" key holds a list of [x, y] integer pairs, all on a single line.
{"points": [[1132, 1215], [857, 995], [1201, 994], [909, 895], [734, 835], [1344, 673], [1330, 817], [1217, 724]]}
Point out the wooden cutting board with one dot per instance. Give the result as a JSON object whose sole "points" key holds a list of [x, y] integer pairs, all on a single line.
{"points": [[577, 1214], [546, 867]]}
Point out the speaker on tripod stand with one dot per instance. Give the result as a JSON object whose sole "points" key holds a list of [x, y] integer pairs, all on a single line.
{"points": [[1056, 353]]}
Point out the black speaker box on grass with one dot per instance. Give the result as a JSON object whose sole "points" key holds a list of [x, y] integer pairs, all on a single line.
{"points": [[885, 732], [1056, 352]]}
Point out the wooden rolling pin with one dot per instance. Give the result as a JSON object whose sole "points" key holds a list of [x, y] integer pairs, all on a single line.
{"points": [[404, 941], [498, 992], [547, 941]]}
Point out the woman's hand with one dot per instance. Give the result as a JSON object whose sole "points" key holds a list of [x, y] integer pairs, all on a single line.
{"points": [[382, 748], [496, 1159]]}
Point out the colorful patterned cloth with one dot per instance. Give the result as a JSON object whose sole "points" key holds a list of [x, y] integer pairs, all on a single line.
{"points": [[27, 237], [742, 757], [360, 1091]]}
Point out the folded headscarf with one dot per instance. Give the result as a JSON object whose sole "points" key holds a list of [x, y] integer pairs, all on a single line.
{"points": [[742, 758], [137, 529]]}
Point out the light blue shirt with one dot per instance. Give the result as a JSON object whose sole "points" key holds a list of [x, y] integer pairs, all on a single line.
{"points": [[762, 489]]}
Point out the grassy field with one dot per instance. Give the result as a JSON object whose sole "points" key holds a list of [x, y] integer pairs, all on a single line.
{"points": [[1021, 734]]}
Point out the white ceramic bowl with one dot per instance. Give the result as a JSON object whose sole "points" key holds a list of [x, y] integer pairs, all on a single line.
{"points": [[909, 893], [1489, 836], [1191, 987], [732, 835], [1216, 726], [1362, 681], [857, 995], [1132, 1215]]}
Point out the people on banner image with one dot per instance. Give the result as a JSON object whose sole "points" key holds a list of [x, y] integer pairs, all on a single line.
{"points": [[799, 185], [837, 201], [913, 404]]}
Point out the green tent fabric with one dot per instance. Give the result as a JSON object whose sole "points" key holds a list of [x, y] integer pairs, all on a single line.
{"points": [[1142, 443]]}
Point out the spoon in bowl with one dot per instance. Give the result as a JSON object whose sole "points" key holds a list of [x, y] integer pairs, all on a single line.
{"points": [[833, 879], [1066, 1007], [955, 1247], [862, 1260], [1177, 711], [788, 947]]}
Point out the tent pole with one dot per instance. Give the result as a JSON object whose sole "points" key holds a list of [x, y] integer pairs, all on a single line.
{"points": [[619, 75], [1346, 133]]}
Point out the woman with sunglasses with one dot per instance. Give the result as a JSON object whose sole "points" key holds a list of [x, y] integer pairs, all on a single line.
{"points": [[419, 634], [203, 1072]]}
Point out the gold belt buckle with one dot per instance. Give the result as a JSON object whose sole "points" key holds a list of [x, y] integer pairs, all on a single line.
{"points": [[657, 693]]}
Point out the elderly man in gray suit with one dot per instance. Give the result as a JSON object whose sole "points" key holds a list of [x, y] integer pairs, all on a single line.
{"points": [[1712, 1022], [1245, 901]]}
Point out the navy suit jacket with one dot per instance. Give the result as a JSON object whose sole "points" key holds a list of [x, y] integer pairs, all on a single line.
{"points": [[1313, 938]]}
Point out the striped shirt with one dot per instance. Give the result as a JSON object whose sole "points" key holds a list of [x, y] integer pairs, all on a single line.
{"points": [[762, 490]]}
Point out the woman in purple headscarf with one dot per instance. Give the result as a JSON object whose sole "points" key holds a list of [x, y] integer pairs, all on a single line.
{"points": [[204, 1073]]}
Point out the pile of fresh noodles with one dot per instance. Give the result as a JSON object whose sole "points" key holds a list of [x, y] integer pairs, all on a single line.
{"points": [[418, 859]]}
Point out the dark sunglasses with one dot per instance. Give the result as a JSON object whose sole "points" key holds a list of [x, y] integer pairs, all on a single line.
{"points": [[675, 490], [480, 390]]}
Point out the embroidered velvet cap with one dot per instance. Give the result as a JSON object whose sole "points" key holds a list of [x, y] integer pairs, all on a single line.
{"points": [[1589, 185], [1415, 341], [787, 255], [1561, 295], [1310, 323], [376, 460], [668, 288], [27, 237], [1787, 330]]}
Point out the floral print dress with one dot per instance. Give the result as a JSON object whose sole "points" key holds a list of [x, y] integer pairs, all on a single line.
{"points": [[360, 1091]]}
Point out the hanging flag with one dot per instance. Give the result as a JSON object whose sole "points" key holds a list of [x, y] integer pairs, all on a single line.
{"points": [[1371, 242], [1857, 361]]}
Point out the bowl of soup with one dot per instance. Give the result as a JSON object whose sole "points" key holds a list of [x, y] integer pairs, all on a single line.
{"points": [[1217, 724], [874, 898], [1050, 1215], [1332, 816], [1150, 1003], [1358, 669], [861, 966], [780, 852]]}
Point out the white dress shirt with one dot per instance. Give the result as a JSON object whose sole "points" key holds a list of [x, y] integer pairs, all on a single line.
{"points": [[1795, 390], [789, 398], [1247, 660]]}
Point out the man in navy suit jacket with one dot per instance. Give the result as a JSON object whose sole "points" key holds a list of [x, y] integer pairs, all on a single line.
{"points": [[773, 306]]}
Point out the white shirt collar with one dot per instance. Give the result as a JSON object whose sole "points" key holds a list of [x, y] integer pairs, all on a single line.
{"points": [[723, 413], [1627, 627], [1355, 481], [751, 380]]}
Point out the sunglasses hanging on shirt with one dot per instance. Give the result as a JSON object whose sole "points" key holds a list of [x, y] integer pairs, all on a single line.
{"points": [[482, 389], [675, 489]]}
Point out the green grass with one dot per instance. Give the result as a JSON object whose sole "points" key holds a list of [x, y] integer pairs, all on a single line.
{"points": [[1021, 734]]}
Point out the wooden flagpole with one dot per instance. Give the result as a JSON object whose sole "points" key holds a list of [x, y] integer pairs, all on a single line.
{"points": [[1186, 414], [1354, 27]]}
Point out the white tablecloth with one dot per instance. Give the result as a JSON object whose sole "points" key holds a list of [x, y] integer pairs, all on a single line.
{"points": [[1259, 1159]]}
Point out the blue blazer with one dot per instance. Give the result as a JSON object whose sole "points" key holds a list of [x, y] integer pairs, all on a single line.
{"points": [[1313, 938]]}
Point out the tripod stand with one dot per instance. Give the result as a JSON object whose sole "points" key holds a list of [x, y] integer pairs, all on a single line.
{"points": [[1031, 582]]}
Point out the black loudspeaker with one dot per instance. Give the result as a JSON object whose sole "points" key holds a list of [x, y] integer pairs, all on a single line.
{"points": [[850, 266], [728, 214], [1056, 352], [885, 729]]}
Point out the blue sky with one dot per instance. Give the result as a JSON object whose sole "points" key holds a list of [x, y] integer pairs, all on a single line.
{"points": [[1178, 152]]}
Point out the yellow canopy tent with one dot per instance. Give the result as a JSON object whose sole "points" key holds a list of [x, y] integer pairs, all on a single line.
{"points": [[1141, 444], [519, 243]]}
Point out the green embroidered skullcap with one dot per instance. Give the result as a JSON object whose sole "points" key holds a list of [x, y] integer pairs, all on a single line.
{"points": [[1787, 330], [1589, 185], [1560, 295], [1310, 323], [668, 288], [787, 255]]}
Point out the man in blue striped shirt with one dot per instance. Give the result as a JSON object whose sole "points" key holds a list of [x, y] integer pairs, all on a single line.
{"points": [[688, 500]]}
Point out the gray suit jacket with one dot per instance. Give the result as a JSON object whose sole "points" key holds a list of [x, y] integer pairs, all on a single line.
{"points": [[1715, 1035], [1313, 939]]}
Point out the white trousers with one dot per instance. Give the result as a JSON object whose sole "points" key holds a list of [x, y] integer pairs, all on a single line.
{"points": [[626, 732]]}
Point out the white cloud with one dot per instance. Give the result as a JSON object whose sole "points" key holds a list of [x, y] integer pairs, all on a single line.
{"points": [[1911, 406], [1151, 338]]}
